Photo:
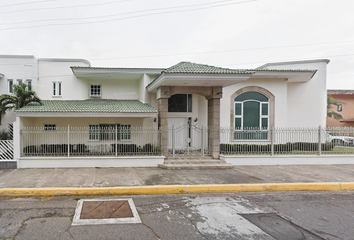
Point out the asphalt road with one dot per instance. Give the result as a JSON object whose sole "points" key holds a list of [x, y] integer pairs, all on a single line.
{"points": [[283, 215]]}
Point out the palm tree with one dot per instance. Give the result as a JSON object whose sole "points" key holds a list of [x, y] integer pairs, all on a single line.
{"points": [[332, 114], [21, 97]]}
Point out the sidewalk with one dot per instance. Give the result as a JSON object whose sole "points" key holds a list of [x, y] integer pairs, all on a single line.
{"points": [[93, 178]]}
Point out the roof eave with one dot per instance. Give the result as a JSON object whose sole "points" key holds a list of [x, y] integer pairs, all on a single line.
{"points": [[291, 76], [88, 114], [82, 71]]}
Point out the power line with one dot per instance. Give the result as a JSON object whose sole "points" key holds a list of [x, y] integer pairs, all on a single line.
{"points": [[24, 3], [73, 6], [226, 51], [223, 51], [136, 16], [126, 13], [229, 64]]}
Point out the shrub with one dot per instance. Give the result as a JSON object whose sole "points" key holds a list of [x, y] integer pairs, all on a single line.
{"points": [[278, 148], [4, 135]]}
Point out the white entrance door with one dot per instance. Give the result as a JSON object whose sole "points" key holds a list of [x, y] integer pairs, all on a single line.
{"points": [[181, 132]]}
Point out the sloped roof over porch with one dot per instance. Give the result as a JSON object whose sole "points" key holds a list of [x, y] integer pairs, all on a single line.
{"points": [[193, 74], [89, 108]]}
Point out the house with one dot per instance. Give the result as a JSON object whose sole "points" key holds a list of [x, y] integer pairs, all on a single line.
{"points": [[345, 108], [101, 116]]}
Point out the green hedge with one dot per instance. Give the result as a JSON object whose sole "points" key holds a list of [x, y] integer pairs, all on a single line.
{"points": [[278, 148]]}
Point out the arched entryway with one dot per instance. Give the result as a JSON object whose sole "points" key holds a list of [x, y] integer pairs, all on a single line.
{"points": [[185, 124]]}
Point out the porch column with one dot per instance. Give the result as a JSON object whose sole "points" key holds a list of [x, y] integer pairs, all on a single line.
{"points": [[214, 121], [163, 94]]}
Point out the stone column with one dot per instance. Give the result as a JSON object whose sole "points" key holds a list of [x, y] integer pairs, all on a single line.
{"points": [[214, 121], [163, 94]]}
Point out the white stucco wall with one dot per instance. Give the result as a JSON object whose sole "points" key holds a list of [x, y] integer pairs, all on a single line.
{"points": [[297, 104], [307, 102], [54, 71], [16, 67]]}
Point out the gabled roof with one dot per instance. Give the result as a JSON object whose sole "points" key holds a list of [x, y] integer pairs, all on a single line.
{"points": [[89, 106], [237, 74]]}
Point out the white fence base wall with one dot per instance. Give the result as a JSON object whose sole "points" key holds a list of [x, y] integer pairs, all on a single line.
{"points": [[79, 162], [287, 160]]}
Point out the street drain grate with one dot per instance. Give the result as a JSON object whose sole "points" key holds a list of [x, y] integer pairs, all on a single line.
{"points": [[108, 211]]}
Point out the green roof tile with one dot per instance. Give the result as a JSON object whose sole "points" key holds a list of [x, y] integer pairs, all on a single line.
{"points": [[188, 67], [90, 106]]}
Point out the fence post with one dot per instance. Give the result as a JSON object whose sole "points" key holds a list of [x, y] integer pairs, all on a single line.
{"points": [[116, 137], [272, 140], [173, 140], [319, 140], [202, 135], [68, 140]]}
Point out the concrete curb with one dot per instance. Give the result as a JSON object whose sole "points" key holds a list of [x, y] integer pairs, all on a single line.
{"points": [[179, 189]]}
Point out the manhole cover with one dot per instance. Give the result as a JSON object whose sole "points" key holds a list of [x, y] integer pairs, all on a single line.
{"points": [[111, 211]]}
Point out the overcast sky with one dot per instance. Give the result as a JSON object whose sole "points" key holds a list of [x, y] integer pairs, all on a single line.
{"points": [[161, 33]]}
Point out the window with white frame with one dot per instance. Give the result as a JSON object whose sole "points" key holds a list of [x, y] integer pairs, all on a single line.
{"points": [[50, 127], [56, 88], [109, 132], [95, 91], [251, 118], [94, 132], [10, 85], [19, 81], [29, 84]]}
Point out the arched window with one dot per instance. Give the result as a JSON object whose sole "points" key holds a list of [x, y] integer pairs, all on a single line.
{"points": [[251, 116]]}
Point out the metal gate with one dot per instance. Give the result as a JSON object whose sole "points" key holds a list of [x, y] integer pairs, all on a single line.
{"points": [[187, 140], [6, 150]]}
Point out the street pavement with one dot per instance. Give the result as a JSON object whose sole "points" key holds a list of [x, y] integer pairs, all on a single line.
{"points": [[114, 177], [250, 216]]}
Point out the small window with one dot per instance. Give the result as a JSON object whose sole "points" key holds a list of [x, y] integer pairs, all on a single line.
{"points": [[180, 103], [11, 83], [19, 81], [50, 127], [29, 85], [339, 108], [95, 91], [56, 88], [59, 88]]}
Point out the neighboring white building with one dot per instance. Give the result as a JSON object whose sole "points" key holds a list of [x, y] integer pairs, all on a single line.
{"points": [[189, 97]]}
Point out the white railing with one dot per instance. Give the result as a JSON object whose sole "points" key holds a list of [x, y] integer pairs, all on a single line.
{"points": [[89, 141], [6, 150], [287, 141], [135, 141]]}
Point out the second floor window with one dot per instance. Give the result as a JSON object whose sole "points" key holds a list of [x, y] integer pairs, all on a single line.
{"points": [[95, 91], [56, 88], [29, 85], [11, 83]]}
